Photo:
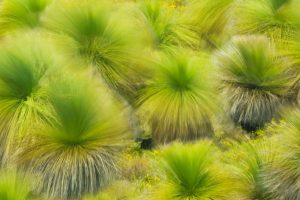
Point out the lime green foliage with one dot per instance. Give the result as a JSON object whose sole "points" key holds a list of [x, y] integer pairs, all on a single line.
{"points": [[279, 19], [14, 186], [284, 175], [249, 161], [254, 80], [209, 19], [77, 154], [164, 26], [190, 173], [23, 101], [118, 190], [178, 99], [21, 14], [292, 52], [89, 29], [79, 78]]}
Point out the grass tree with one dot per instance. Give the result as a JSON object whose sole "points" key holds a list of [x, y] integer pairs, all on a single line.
{"points": [[21, 14], [15, 186], [209, 19], [279, 19], [254, 80], [178, 99], [78, 153], [249, 162], [164, 26], [91, 30], [23, 102], [190, 173], [292, 52], [283, 178]]}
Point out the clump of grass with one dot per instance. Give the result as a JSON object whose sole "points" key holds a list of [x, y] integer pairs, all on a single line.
{"points": [[279, 19], [254, 79], [93, 31], [283, 176], [209, 19], [249, 162], [190, 173], [23, 101], [177, 100], [21, 14], [77, 154], [165, 27]]}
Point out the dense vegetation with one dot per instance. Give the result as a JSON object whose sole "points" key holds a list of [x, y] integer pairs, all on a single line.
{"points": [[149, 99]]}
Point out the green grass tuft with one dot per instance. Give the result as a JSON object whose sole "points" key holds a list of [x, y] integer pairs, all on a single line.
{"points": [[78, 154], [254, 80], [178, 98]]}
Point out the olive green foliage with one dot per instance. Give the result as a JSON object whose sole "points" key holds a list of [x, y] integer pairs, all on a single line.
{"points": [[284, 175], [80, 78], [14, 186], [292, 52], [190, 173], [254, 80], [211, 23], [21, 14], [165, 27], [178, 99], [23, 73], [94, 32], [249, 163], [279, 19], [78, 153]]}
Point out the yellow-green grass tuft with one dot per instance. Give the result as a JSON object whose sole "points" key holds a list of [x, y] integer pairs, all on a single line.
{"points": [[178, 99], [190, 173], [92, 31], [16, 15], [78, 154], [254, 80]]}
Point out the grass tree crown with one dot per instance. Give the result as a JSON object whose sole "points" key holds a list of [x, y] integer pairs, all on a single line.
{"points": [[23, 76], [165, 27], [21, 14], [209, 19], [178, 98], [254, 79], [81, 147], [284, 176], [190, 173], [91, 30], [279, 19], [249, 162]]}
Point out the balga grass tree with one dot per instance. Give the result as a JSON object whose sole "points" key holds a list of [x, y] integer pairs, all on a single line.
{"points": [[17, 15], [248, 163], [209, 19], [284, 175], [177, 101], [190, 172], [78, 153], [23, 101], [254, 79], [293, 54], [279, 19], [15, 186], [91, 30], [164, 27]]}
